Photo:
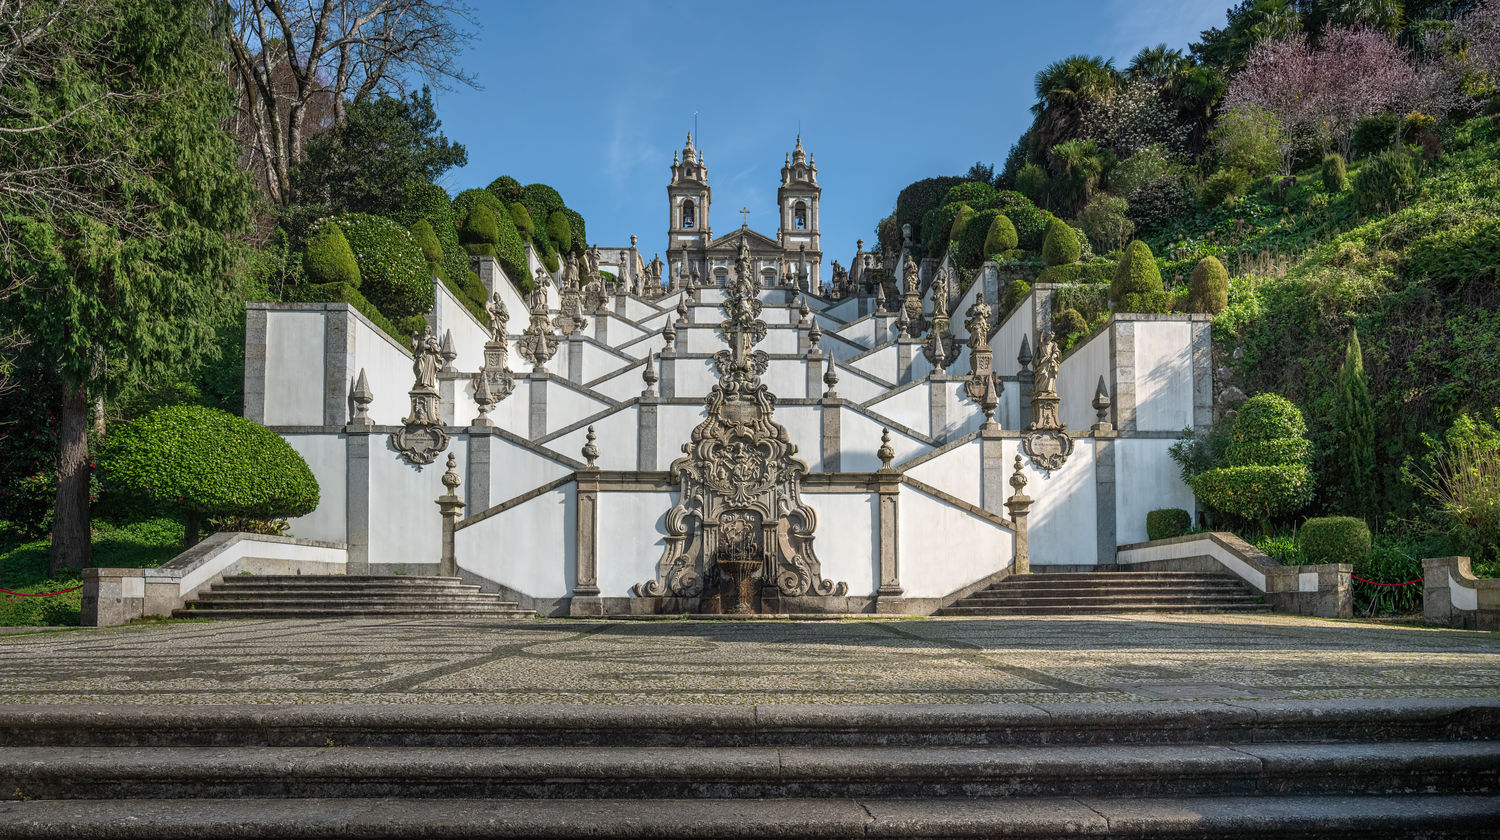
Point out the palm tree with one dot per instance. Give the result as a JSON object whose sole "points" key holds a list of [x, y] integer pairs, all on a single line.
{"points": [[1382, 15], [1195, 91], [1065, 89], [1274, 20], [1079, 164], [1155, 64]]}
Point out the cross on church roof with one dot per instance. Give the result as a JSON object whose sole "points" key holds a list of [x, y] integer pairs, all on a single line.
{"points": [[744, 217]]}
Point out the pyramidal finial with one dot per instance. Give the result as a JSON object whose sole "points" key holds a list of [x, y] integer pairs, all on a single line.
{"points": [[831, 377], [1024, 357]]}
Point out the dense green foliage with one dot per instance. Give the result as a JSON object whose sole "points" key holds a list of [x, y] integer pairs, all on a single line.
{"points": [[431, 202], [1385, 182], [1265, 470], [393, 273], [971, 247], [505, 188], [917, 200], [481, 231], [1165, 523], [426, 239], [203, 462], [143, 544], [327, 258], [1060, 246], [1353, 451], [521, 217], [1335, 539], [1335, 174], [1001, 236], [1208, 287], [1136, 273], [1106, 221], [559, 231]]}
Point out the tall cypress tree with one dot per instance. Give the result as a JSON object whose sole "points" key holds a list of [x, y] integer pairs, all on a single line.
{"points": [[1354, 435], [130, 279]]}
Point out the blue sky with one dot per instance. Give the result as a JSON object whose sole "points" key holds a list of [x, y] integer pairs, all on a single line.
{"points": [[593, 97]]}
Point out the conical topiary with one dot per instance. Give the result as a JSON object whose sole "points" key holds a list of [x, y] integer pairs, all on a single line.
{"points": [[1002, 237], [1208, 288], [328, 257], [1136, 272], [426, 239], [1060, 246]]}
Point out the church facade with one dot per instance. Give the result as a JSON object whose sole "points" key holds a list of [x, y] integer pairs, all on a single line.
{"points": [[792, 258]]}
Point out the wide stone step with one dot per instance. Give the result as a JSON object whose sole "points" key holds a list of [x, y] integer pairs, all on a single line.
{"points": [[1302, 817], [1102, 591], [1027, 583], [751, 772], [959, 610], [376, 597], [1105, 600], [353, 579], [505, 725], [365, 611], [1085, 577]]}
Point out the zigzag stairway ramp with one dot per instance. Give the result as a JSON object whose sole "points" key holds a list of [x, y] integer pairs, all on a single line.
{"points": [[1255, 769], [345, 596], [1101, 593]]}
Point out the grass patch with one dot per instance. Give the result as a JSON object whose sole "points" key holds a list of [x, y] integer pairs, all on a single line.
{"points": [[24, 568]]}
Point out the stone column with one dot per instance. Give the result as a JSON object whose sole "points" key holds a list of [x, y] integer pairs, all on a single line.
{"points": [[601, 327], [575, 358], [813, 366], [537, 422], [480, 440], [338, 355], [937, 406], [906, 348], [112, 596], [1203, 373], [450, 506], [585, 600], [357, 497], [888, 598], [1019, 506], [992, 471], [832, 445], [255, 362], [668, 384], [450, 386], [1122, 386], [1104, 496]]}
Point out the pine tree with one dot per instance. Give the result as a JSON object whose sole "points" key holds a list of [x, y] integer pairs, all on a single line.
{"points": [[1354, 434]]}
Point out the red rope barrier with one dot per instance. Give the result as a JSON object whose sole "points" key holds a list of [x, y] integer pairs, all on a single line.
{"points": [[41, 594], [1378, 583]]}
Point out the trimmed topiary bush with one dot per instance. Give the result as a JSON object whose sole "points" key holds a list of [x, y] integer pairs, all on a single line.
{"points": [[969, 251], [961, 220], [1014, 294], [1222, 186], [969, 192], [1136, 273], [521, 217], [1070, 325], [1208, 287], [1001, 236], [1031, 225], [481, 232], [202, 462], [345, 293], [1145, 302], [426, 239], [328, 258], [560, 232], [542, 201], [1166, 523], [431, 202], [919, 198], [1384, 182], [505, 188], [1060, 247], [393, 272], [935, 228], [575, 226], [464, 202], [1268, 457], [1335, 175], [1077, 273], [1335, 539]]}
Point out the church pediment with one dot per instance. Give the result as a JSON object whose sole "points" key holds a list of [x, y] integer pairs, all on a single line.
{"points": [[756, 241]]}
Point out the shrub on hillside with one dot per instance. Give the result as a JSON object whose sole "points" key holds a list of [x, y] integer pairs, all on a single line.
{"points": [[327, 258], [960, 221], [521, 217], [1166, 523], [1248, 138], [1222, 186], [1060, 247], [936, 226], [431, 202], [202, 462], [560, 232], [481, 231], [1460, 256], [392, 270], [426, 239], [1158, 203], [1384, 182], [1136, 272], [1069, 325], [1031, 182], [970, 249], [1208, 287], [918, 199], [505, 188], [576, 228], [1001, 236], [463, 205], [1335, 175], [1030, 222], [542, 201], [1267, 473], [1335, 539], [1106, 221], [1372, 135], [969, 192], [1100, 272], [1014, 294]]}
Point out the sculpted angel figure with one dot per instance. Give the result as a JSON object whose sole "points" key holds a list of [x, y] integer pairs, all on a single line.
{"points": [[1047, 360]]}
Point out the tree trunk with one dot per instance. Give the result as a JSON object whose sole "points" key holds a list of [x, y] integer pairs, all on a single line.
{"points": [[190, 528], [71, 546], [99, 417]]}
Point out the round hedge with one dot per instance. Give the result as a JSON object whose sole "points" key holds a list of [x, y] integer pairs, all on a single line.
{"points": [[1030, 222], [1335, 539], [541, 200], [1001, 237], [1266, 417], [204, 462], [1254, 492], [1166, 523], [431, 202], [1136, 272], [481, 227], [464, 202], [327, 258], [969, 192], [961, 220], [1208, 287], [575, 226], [1070, 322], [394, 273], [505, 188], [521, 217], [426, 239], [1060, 247], [969, 251], [1384, 182], [560, 232]]}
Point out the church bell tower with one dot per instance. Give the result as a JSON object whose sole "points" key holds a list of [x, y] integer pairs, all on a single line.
{"points": [[688, 197], [798, 198]]}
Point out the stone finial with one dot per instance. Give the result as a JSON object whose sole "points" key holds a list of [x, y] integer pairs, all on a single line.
{"points": [[1018, 478], [938, 352], [1101, 407], [450, 478], [1023, 358], [362, 397], [989, 400], [814, 335], [682, 312], [802, 310], [632, 240], [903, 324], [449, 352], [484, 398], [859, 246], [669, 334], [590, 451], [648, 374], [831, 378], [885, 453]]}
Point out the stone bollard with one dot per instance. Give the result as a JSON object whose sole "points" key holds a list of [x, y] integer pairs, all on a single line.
{"points": [[450, 506], [1019, 504]]}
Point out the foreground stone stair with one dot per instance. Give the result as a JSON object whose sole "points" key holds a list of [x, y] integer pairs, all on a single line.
{"points": [[1392, 769], [1097, 593], [346, 596]]}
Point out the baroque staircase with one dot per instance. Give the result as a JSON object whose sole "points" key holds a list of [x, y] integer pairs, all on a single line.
{"points": [[1098, 593], [346, 596], [1304, 769]]}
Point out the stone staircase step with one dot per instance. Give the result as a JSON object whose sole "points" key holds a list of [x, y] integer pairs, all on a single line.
{"points": [[377, 597], [355, 612], [1106, 600], [346, 596], [554, 772], [1303, 817], [1100, 593], [960, 611]]}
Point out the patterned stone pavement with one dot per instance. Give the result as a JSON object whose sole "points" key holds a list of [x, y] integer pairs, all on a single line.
{"points": [[1108, 658]]}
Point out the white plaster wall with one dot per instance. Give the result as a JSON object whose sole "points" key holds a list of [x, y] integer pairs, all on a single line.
{"points": [[1146, 478], [856, 386], [638, 348], [326, 457], [618, 331], [859, 439], [1163, 375], [964, 415], [804, 425], [841, 348], [566, 406], [847, 309], [387, 369], [529, 548], [624, 384], [1064, 514], [845, 541], [1006, 342], [674, 426], [1078, 378], [636, 309], [955, 472], [943, 548], [616, 438], [515, 305], [404, 522], [516, 470], [513, 413], [694, 377], [598, 361], [1009, 411], [910, 407], [632, 529], [958, 327], [787, 378], [295, 368], [861, 331], [881, 363], [469, 335]]}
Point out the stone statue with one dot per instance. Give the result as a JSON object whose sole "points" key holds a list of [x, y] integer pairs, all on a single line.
{"points": [[977, 321], [940, 286], [427, 357], [498, 316], [909, 276], [593, 256], [1047, 359]]}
